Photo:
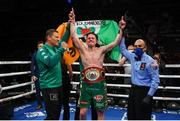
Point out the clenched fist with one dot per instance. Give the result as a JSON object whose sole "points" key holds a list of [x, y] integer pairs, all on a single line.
{"points": [[72, 16], [122, 23]]}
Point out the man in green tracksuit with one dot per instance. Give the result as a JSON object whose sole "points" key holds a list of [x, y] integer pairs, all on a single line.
{"points": [[48, 60]]}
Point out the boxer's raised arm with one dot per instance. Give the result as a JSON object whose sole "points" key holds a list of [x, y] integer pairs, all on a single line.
{"points": [[122, 25], [78, 43]]}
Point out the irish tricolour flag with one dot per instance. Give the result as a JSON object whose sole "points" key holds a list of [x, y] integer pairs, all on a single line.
{"points": [[106, 30]]}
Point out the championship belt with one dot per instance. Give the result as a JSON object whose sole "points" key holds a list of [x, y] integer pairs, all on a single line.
{"points": [[93, 75]]}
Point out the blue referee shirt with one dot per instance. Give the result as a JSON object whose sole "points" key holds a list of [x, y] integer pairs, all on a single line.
{"points": [[144, 72]]}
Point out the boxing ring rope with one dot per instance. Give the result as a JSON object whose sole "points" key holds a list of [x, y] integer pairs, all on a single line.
{"points": [[126, 96], [129, 86], [17, 96], [16, 86], [128, 75], [77, 63], [15, 73], [75, 72], [14, 62], [117, 65]]}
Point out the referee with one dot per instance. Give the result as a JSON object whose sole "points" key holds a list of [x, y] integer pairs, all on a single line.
{"points": [[144, 79]]}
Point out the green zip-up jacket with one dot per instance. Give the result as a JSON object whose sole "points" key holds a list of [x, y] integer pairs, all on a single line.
{"points": [[49, 64]]}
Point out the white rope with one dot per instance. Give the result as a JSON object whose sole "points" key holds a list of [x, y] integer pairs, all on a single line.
{"points": [[16, 86], [128, 86], [110, 85], [17, 96], [77, 63], [119, 85], [172, 65], [127, 96], [113, 85], [14, 62], [76, 83], [125, 65], [155, 98], [14, 73], [169, 87], [128, 75], [73, 92], [76, 72], [169, 76], [117, 75], [118, 95], [106, 64]]}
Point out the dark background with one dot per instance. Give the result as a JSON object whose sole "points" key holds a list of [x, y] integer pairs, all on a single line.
{"points": [[24, 22]]}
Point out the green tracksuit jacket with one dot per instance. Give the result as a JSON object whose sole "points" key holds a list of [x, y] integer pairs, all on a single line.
{"points": [[49, 64]]}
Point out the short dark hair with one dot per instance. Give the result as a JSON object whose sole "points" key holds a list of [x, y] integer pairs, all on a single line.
{"points": [[50, 32], [96, 36], [40, 42]]}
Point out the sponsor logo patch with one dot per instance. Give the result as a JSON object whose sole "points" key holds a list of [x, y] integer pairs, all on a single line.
{"points": [[34, 114], [98, 98], [100, 105], [21, 108], [142, 66], [54, 97]]}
